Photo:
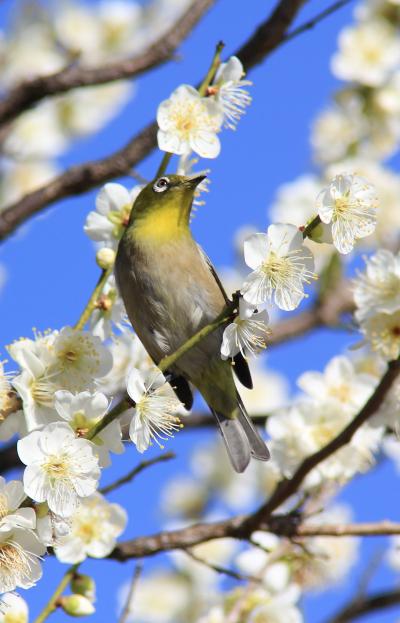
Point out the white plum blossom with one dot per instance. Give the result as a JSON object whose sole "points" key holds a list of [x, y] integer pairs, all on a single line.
{"points": [[270, 390], [172, 602], [368, 53], [154, 415], [228, 89], [20, 553], [215, 615], [260, 605], [120, 23], [108, 222], [11, 417], [71, 22], [336, 130], [340, 382], [68, 359], [247, 333], [37, 134], [387, 185], [12, 495], [13, 609], [212, 466], [50, 527], [325, 561], [217, 552], [294, 201], [265, 562], [35, 384], [30, 54], [189, 122], [382, 331], [377, 289], [80, 358], [109, 312], [281, 265], [306, 427], [127, 352], [349, 203], [273, 607], [82, 411], [85, 111], [20, 177], [94, 529], [185, 496], [60, 468]]}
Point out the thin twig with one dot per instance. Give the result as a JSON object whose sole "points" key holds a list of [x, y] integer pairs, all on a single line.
{"points": [[94, 297], [222, 570], [137, 470], [52, 604], [127, 610], [370, 570], [311, 23]]}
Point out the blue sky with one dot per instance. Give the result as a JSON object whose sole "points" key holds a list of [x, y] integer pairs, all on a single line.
{"points": [[51, 269]]}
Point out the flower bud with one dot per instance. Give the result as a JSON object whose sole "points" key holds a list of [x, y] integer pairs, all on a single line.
{"points": [[82, 584], [321, 233], [76, 605], [41, 510], [105, 258]]}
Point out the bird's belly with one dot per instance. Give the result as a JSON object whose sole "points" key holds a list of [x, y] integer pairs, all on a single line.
{"points": [[167, 302]]}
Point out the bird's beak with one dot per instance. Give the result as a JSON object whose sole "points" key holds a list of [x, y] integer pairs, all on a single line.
{"points": [[195, 180]]}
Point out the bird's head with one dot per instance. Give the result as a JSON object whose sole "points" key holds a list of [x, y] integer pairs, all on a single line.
{"points": [[167, 199]]}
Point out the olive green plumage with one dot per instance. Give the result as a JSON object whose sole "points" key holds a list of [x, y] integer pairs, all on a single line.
{"points": [[170, 291]]}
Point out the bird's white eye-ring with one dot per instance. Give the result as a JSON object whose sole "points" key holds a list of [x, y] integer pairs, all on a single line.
{"points": [[161, 185]]}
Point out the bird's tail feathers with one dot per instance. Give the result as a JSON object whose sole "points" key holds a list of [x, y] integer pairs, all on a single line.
{"points": [[258, 447], [241, 438], [235, 439]]}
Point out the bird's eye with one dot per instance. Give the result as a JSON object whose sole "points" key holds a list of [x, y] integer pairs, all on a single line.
{"points": [[161, 185]]}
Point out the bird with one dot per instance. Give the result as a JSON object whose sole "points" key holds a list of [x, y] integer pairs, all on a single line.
{"points": [[171, 290]]}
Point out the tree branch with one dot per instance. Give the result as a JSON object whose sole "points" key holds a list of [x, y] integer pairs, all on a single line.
{"points": [[270, 34], [364, 605], [288, 486], [222, 570], [162, 458], [379, 528], [127, 609], [30, 92], [238, 527]]}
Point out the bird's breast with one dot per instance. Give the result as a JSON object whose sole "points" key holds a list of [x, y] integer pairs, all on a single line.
{"points": [[169, 293]]}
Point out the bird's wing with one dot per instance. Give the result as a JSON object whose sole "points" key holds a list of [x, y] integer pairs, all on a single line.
{"points": [[240, 365]]}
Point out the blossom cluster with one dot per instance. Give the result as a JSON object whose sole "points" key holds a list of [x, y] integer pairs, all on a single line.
{"points": [[377, 297]]}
